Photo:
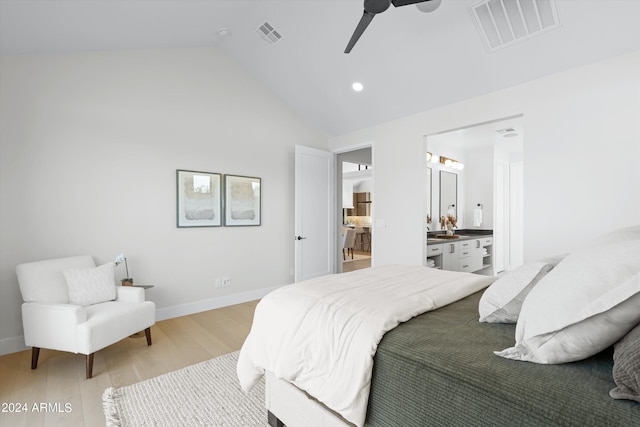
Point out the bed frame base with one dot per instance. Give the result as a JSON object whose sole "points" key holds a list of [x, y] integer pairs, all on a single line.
{"points": [[273, 420], [289, 406]]}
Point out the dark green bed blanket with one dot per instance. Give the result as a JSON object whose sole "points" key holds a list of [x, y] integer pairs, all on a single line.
{"points": [[439, 369]]}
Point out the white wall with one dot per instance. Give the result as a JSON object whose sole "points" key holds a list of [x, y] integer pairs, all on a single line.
{"points": [[575, 122], [479, 186], [90, 144]]}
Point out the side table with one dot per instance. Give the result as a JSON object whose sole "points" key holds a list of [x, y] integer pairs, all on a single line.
{"points": [[145, 287]]}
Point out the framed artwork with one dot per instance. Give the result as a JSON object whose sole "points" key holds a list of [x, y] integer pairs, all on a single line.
{"points": [[242, 200], [199, 199]]}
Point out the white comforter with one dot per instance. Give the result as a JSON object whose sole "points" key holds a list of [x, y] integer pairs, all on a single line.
{"points": [[322, 334]]}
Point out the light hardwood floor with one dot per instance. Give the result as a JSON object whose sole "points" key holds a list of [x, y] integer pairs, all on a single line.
{"points": [[358, 264], [60, 377]]}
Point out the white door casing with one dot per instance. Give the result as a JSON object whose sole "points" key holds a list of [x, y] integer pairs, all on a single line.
{"points": [[314, 213], [516, 212], [501, 218]]}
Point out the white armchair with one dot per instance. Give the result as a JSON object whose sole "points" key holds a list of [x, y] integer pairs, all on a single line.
{"points": [[50, 321]]}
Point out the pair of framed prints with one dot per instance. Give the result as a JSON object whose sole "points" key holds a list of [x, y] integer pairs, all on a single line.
{"points": [[206, 199]]}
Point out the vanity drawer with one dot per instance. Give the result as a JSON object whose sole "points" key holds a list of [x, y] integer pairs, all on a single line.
{"points": [[464, 253], [434, 250], [467, 244], [470, 264], [466, 266], [486, 241]]}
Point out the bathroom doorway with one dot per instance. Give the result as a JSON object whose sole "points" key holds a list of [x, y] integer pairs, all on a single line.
{"points": [[488, 163]]}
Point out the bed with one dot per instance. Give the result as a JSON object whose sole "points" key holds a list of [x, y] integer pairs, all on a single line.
{"points": [[438, 367], [418, 381]]}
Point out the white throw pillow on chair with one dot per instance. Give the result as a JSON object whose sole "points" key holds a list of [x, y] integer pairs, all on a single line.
{"points": [[89, 286]]}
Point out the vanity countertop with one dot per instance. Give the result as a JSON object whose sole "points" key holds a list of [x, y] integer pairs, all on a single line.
{"points": [[465, 234]]}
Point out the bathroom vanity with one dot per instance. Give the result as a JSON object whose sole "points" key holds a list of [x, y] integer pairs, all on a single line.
{"points": [[471, 251]]}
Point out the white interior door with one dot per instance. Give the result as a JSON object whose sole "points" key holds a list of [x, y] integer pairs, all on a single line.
{"points": [[314, 213]]}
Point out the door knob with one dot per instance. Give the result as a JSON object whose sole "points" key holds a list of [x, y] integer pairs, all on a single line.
{"points": [[300, 238]]}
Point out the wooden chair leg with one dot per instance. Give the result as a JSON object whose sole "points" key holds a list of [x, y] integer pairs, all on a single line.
{"points": [[147, 333], [35, 353], [90, 365]]}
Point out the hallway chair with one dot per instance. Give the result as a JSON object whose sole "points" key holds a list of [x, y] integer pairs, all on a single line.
{"points": [[72, 305], [348, 242]]}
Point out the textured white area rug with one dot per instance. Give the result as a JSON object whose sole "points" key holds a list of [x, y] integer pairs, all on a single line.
{"points": [[204, 394]]}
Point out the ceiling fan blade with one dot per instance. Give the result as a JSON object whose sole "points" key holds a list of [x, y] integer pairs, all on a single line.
{"points": [[398, 3], [366, 19]]}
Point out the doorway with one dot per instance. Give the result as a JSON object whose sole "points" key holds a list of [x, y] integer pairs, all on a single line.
{"points": [[356, 200], [487, 160]]}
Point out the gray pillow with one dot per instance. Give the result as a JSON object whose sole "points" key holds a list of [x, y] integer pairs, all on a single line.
{"points": [[626, 367], [502, 301]]}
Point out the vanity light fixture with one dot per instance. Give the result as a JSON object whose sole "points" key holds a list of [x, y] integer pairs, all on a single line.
{"points": [[451, 163], [433, 158], [444, 161]]}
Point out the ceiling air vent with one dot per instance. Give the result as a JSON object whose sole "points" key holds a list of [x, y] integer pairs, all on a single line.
{"points": [[507, 132], [503, 23], [268, 34]]}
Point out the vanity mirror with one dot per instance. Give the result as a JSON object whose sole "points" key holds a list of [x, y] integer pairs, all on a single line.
{"points": [[448, 194]]}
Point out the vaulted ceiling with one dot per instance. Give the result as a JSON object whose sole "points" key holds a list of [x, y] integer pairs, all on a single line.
{"points": [[407, 60]]}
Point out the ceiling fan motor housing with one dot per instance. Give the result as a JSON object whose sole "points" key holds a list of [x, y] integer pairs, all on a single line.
{"points": [[376, 6]]}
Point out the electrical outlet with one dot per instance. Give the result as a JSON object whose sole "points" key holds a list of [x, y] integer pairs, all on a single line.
{"points": [[218, 282], [226, 281]]}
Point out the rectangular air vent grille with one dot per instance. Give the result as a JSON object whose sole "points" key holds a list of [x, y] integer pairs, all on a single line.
{"points": [[503, 23], [268, 33], [505, 130]]}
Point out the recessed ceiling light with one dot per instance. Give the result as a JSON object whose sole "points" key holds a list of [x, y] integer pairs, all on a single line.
{"points": [[223, 32], [357, 86]]}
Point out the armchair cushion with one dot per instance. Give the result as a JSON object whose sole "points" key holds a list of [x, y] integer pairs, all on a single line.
{"points": [[43, 281], [89, 286], [111, 321]]}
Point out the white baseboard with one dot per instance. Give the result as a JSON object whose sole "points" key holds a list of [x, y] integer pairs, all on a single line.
{"points": [[16, 344], [211, 304], [12, 345]]}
